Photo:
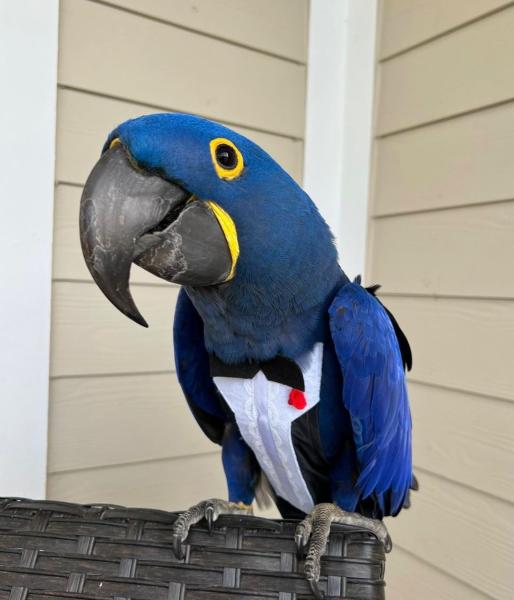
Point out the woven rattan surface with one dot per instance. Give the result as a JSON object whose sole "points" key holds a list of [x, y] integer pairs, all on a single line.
{"points": [[54, 550]]}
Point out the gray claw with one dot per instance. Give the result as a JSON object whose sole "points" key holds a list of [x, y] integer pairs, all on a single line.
{"points": [[178, 548], [209, 517], [300, 548], [302, 535], [316, 592]]}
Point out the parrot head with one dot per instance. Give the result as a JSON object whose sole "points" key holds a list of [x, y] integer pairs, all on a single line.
{"points": [[197, 204]]}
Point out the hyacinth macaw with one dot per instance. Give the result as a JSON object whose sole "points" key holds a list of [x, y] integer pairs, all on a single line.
{"points": [[297, 372]]}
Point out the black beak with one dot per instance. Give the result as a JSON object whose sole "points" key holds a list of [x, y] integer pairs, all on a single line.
{"points": [[128, 215]]}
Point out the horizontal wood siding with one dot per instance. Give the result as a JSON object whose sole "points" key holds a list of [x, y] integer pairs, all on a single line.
{"points": [[470, 336], [463, 161], [441, 241], [275, 26], [148, 409], [168, 484], [405, 571], [85, 119], [462, 532], [90, 337], [120, 429], [464, 437], [165, 66], [482, 235], [408, 23], [459, 72]]}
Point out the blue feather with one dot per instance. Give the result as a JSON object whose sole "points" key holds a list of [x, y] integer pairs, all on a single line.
{"points": [[375, 395], [192, 365]]}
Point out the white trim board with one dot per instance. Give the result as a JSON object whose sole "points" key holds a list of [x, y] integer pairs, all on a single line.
{"points": [[338, 129], [28, 50]]}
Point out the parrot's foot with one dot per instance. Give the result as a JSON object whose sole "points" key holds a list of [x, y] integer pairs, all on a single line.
{"points": [[315, 529], [209, 510]]}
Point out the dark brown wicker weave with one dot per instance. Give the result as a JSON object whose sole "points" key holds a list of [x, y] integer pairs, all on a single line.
{"points": [[54, 550]]}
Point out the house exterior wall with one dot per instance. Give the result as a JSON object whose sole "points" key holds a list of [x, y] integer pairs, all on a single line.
{"points": [[441, 241], [119, 428]]}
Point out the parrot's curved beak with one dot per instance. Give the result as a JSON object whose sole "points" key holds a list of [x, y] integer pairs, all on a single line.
{"points": [[129, 215]]}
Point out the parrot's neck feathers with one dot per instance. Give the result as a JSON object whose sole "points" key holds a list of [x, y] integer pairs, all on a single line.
{"points": [[243, 322]]}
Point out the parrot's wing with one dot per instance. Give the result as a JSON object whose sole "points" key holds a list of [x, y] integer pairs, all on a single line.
{"points": [[192, 364], [369, 346]]}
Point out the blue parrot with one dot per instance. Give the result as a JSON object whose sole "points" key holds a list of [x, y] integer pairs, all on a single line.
{"points": [[296, 371]]}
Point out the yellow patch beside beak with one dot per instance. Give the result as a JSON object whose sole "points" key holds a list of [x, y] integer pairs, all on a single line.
{"points": [[229, 230]]}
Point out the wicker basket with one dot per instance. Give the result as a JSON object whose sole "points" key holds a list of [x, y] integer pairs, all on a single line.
{"points": [[54, 550]]}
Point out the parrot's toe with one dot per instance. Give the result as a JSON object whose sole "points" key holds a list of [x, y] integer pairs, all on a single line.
{"points": [[302, 535], [178, 549], [314, 530], [209, 510], [315, 589]]}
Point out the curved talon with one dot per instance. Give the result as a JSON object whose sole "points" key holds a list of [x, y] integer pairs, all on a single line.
{"points": [[300, 547], [209, 517], [178, 548], [382, 535], [301, 537], [316, 592]]}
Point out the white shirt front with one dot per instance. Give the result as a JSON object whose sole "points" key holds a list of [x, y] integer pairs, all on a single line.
{"points": [[264, 417]]}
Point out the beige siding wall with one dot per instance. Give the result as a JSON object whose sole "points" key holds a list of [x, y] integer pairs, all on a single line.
{"points": [[442, 244], [120, 430]]}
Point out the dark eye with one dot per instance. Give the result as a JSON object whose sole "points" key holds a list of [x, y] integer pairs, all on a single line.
{"points": [[226, 156], [227, 159]]}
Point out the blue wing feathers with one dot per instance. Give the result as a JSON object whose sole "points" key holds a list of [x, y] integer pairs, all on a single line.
{"points": [[374, 393], [192, 364]]}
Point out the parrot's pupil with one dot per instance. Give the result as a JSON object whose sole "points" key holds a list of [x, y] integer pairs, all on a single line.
{"points": [[226, 156]]}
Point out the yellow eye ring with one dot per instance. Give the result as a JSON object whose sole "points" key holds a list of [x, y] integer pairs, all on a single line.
{"points": [[226, 158]]}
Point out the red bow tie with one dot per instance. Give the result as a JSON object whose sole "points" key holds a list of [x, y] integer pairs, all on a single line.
{"points": [[297, 399]]}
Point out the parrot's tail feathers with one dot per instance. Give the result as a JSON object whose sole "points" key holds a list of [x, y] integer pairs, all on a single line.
{"points": [[414, 486], [264, 495]]}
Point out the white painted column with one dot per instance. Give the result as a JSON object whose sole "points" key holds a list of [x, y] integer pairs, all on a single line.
{"points": [[339, 120], [28, 71]]}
